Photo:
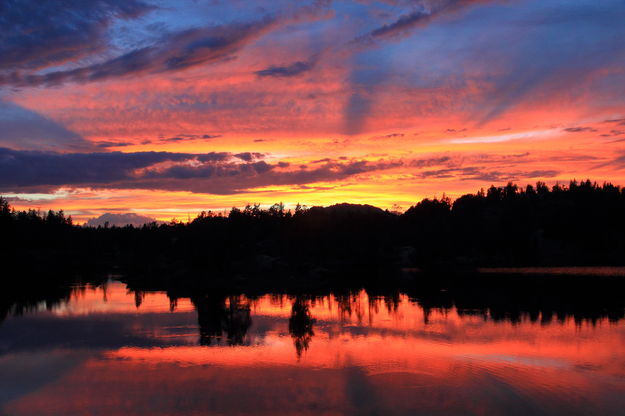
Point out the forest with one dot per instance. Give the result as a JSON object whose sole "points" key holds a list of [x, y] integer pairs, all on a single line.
{"points": [[579, 224]]}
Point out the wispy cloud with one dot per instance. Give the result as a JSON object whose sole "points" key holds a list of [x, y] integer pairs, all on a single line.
{"points": [[423, 12], [21, 128], [291, 70], [541, 134], [580, 129], [38, 34], [182, 50], [215, 172]]}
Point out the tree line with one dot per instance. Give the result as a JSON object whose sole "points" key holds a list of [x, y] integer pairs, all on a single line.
{"points": [[582, 223]]}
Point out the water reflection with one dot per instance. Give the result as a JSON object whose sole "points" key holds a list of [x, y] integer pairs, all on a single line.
{"points": [[218, 315], [301, 325], [110, 350]]}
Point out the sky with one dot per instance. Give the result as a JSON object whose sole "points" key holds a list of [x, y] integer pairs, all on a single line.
{"points": [[165, 108]]}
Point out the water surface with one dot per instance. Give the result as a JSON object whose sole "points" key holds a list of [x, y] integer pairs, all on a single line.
{"points": [[107, 350]]}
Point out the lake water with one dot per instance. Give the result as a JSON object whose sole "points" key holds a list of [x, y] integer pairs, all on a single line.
{"points": [[109, 351]]}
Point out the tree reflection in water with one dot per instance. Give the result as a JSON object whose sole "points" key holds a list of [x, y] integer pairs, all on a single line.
{"points": [[218, 314], [301, 325], [225, 317]]}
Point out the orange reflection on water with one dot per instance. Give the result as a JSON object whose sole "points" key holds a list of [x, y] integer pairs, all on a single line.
{"points": [[351, 354], [115, 298]]}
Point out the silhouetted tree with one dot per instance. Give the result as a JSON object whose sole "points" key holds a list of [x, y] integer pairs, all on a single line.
{"points": [[581, 223]]}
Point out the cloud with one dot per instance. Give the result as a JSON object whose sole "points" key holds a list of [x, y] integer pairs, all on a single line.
{"points": [[183, 50], [547, 64], [365, 83], [223, 173], [24, 129], [472, 173], [175, 52], [37, 34], [106, 144], [536, 134], [242, 177], [355, 113], [389, 136], [216, 172], [421, 163], [618, 162], [189, 137], [580, 129], [421, 15], [249, 156], [404, 23], [50, 169], [619, 121], [287, 71], [120, 220]]}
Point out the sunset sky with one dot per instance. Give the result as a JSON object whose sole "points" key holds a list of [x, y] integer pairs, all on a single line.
{"points": [[169, 107]]}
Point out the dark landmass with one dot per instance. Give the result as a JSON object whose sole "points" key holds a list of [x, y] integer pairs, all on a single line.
{"points": [[582, 224]]}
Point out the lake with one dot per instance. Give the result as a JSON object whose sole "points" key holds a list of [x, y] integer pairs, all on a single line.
{"points": [[105, 350]]}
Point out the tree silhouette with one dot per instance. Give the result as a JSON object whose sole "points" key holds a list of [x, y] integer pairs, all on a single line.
{"points": [[581, 223]]}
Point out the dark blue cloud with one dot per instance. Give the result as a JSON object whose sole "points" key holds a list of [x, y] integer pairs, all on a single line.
{"points": [[185, 49], [24, 129], [249, 156], [292, 70], [403, 23], [213, 157], [106, 144], [49, 169], [566, 49], [217, 172], [421, 14], [39, 33], [173, 52]]}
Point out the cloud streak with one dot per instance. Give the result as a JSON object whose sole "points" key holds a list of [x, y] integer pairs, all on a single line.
{"points": [[182, 50], [420, 16], [287, 71], [227, 173], [21, 128], [37, 34], [215, 172]]}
